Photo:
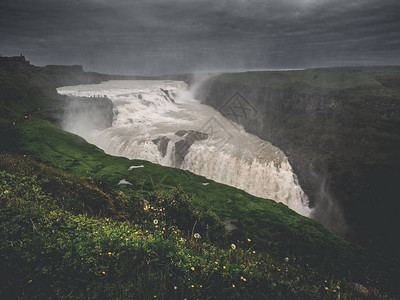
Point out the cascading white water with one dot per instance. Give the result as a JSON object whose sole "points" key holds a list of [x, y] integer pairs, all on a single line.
{"points": [[148, 118]]}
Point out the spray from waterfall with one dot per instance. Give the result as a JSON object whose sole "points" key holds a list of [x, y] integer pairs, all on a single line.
{"points": [[327, 210]]}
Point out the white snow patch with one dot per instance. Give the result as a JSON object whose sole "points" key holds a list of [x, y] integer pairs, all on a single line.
{"points": [[135, 167], [123, 181]]}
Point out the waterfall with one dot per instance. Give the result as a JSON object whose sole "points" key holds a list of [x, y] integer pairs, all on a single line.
{"points": [[159, 121]]}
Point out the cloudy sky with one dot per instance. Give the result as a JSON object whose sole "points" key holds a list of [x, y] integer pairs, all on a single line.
{"points": [[172, 36]]}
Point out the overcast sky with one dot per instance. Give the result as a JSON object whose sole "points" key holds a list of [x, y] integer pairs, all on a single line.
{"points": [[173, 36]]}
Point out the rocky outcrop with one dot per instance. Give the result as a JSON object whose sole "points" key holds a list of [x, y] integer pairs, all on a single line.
{"points": [[167, 96], [162, 144], [182, 146]]}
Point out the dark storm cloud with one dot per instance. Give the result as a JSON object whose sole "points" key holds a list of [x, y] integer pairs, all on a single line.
{"points": [[157, 36]]}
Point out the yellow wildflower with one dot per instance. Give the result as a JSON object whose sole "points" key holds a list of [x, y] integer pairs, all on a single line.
{"points": [[175, 287], [233, 285], [326, 288], [249, 240], [192, 268]]}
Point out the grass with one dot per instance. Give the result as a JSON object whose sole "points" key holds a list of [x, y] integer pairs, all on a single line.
{"points": [[323, 80], [57, 243], [274, 230]]}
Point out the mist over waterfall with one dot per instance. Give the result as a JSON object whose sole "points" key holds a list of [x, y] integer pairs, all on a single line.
{"points": [[159, 121]]}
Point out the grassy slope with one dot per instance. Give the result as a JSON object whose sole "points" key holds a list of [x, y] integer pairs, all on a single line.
{"points": [[275, 230], [311, 80], [18, 96], [271, 222], [56, 243]]}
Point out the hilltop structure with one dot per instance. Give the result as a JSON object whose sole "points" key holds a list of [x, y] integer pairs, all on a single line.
{"points": [[14, 60]]}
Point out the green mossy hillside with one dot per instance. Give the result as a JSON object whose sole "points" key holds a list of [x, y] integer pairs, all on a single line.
{"points": [[51, 250], [271, 222], [78, 183]]}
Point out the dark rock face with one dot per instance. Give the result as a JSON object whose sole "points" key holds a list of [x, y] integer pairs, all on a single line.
{"points": [[342, 142], [162, 144], [192, 135], [181, 132], [182, 147], [168, 96]]}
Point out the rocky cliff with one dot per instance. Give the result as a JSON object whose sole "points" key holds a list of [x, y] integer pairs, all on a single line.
{"points": [[339, 128]]}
